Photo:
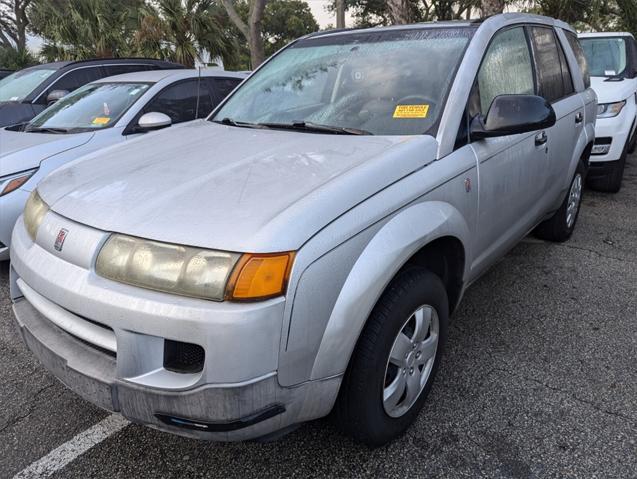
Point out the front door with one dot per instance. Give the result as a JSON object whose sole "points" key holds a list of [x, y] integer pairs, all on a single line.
{"points": [[512, 169]]}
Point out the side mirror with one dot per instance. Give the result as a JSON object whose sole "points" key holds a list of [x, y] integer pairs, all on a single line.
{"points": [[153, 121], [56, 95], [513, 114]]}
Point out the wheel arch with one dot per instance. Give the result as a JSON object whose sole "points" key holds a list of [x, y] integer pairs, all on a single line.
{"points": [[415, 236]]}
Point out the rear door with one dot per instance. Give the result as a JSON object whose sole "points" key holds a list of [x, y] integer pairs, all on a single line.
{"points": [[512, 169], [555, 84]]}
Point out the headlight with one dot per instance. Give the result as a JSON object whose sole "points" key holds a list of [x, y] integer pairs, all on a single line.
{"points": [[10, 183], [34, 212], [194, 272], [609, 110]]}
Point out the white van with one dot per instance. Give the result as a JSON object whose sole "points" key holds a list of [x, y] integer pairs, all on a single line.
{"points": [[612, 65]]}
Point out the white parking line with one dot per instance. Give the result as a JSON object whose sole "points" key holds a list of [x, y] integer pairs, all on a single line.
{"points": [[67, 452]]}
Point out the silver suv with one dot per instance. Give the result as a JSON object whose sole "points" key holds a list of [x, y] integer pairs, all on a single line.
{"points": [[301, 250]]}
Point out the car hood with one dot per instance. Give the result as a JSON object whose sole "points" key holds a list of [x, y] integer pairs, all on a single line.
{"points": [[21, 151], [230, 188], [612, 91]]}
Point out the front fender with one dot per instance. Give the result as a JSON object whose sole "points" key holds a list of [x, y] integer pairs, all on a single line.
{"points": [[397, 241]]}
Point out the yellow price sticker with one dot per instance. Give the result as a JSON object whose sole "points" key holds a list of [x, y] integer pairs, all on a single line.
{"points": [[411, 111], [101, 120]]}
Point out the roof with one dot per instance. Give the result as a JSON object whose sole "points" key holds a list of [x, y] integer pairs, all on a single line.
{"points": [[503, 17], [155, 76], [106, 61], [604, 34]]}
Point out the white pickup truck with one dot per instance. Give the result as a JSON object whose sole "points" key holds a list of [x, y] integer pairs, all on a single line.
{"points": [[612, 64]]}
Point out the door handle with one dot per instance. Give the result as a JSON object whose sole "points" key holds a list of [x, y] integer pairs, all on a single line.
{"points": [[579, 118], [541, 138]]}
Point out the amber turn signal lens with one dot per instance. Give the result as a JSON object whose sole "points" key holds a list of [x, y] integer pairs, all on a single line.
{"points": [[14, 184], [260, 276]]}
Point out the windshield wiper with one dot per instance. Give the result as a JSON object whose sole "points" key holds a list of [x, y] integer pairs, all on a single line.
{"points": [[316, 127], [41, 129], [240, 124]]}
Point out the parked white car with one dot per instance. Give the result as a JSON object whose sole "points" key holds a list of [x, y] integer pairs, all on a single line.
{"points": [[612, 65], [97, 115]]}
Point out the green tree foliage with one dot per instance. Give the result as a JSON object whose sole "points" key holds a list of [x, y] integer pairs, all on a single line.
{"points": [[79, 29], [371, 13], [284, 21], [182, 31], [15, 59]]}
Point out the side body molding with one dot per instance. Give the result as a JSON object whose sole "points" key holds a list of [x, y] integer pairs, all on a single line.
{"points": [[401, 237]]}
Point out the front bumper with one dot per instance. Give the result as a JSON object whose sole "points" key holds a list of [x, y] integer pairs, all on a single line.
{"points": [[105, 341], [618, 129]]}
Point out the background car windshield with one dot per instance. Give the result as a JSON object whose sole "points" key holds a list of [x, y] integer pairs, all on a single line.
{"points": [[605, 56], [94, 106], [387, 83], [18, 85]]}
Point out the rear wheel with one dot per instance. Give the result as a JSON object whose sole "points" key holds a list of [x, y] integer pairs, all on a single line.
{"points": [[561, 225], [395, 360]]}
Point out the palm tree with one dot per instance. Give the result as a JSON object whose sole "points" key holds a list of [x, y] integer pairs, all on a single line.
{"points": [[182, 30], [76, 29]]}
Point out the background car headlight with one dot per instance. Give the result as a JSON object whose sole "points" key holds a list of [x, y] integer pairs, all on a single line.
{"points": [[34, 212], [194, 272], [10, 183], [609, 110], [165, 267]]}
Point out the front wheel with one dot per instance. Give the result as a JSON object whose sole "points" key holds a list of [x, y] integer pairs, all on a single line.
{"points": [[561, 225], [395, 360], [612, 181]]}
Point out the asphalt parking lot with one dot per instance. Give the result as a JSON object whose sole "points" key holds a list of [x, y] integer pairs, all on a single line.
{"points": [[539, 380]]}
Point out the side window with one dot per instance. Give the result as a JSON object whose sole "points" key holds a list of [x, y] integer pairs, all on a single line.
{"points": [[579, 55], [73, 80], [121, 69], [506, 68], [549, 68], [223, 86], [567, 79], [179, 101]]}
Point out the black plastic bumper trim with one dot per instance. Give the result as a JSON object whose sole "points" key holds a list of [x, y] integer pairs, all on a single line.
{"points": [[234, 425]]}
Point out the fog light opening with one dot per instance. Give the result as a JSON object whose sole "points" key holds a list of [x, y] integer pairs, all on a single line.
{"points": [[183, 358]]}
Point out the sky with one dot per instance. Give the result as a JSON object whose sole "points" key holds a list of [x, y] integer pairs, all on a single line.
{"points": [[323, 17]]}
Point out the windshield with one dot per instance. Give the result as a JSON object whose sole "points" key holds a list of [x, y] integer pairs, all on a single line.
{"points": [[18, 85], [92, 107], [380, 82], [605, 56]]}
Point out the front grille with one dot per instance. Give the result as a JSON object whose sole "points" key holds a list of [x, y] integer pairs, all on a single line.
{"points": [[183, 357]]}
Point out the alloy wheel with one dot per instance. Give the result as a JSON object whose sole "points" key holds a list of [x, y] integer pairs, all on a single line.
{"points": [[410, 361]]}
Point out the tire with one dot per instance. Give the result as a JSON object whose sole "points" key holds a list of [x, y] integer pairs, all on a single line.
{"points": [[633, 143], [360, 409], [612, 182], [561, 225]]}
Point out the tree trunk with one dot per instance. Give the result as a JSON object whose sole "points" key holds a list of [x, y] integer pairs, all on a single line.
{"points": [[257, 51], [14, 22], [398, 11], [251, 31], [491, 7], [340, 13]]}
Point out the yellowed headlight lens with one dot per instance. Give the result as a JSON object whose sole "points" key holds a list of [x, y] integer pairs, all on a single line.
{"points": [[175, 269], [34, 213]]}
